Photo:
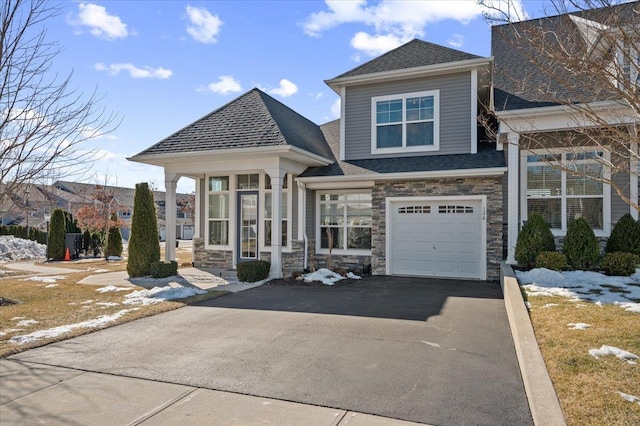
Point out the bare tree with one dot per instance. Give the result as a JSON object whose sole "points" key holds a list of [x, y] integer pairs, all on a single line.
{"points": [[43, 122], [584, 60]]}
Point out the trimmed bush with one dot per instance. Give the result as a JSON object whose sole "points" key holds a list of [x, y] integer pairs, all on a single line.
{"points": [[96, 244], [625, 236], [255, 270], [551, 260], [581, 245], [620, 263], [162, 269], [144, 245], [534, 238], [86, 241], [57, 232], [114, 242]]}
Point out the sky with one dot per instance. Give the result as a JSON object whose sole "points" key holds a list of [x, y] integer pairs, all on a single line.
{"points": [[161, 65]]}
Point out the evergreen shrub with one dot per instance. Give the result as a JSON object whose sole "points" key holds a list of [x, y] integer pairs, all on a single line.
{"points": [[625, 236], [252, 271], [620, 263], [551, 260], [581, 245], [57, 233], [534, 238], [144, 245], [162, 269]]}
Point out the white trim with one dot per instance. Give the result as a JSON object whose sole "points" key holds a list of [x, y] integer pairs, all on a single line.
{"points": [[406, 73], [345, 251], [474, 111], [341, 184], [634, 169], [404, 148], [513, 222], [606, 189], [389, 225], [489, 171], [343, 110]]}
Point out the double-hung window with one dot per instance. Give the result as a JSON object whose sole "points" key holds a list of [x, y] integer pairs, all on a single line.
{"points": [[566, 186], [218, 212], [344, 221], [406, 123]]}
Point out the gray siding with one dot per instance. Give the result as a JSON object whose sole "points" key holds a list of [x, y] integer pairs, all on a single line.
{"points": [[618, 206], [455, 114]]}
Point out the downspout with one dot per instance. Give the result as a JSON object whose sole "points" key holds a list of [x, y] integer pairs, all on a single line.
{"points": [[302, 213]]}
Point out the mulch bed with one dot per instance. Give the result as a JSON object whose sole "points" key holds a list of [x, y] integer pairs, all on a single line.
{"points": [[290, 282]]}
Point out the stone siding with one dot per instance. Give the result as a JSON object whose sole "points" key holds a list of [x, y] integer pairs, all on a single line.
{"points": [[211, 259], [491, 187]]}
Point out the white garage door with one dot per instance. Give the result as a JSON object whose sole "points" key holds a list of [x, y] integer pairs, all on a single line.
{"points": [[437, 238]]}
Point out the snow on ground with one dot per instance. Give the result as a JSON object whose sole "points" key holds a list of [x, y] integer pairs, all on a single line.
{"points": [[49, 279], [584, 286], [617, 352], [159, 294], [111, 288], [328, 277], [101, 321], [12, 248], [629, 398], [25, 323], [578, 326], [51, 286]]}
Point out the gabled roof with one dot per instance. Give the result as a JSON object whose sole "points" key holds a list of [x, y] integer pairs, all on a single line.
{"points": [[416, 53], [520, 84], [252, 120]]}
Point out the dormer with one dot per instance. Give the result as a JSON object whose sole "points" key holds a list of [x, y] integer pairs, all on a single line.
{"points": [[418, 99]]}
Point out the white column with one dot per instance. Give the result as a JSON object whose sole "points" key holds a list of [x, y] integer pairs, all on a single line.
{"points": [[513, 163], [170, 211], [276, 176], [197, 208]]}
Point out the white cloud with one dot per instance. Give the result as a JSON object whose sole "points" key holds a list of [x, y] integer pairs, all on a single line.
{"points": [[101, 24], [135, 72], [204, 27], [335, 109], [286, 89], [316, 96], [394, 22], [226, 84], [456, 40]]}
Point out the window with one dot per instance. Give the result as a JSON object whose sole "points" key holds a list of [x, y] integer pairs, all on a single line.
{"points": [[408, 122], [125, 213], [563, 195], [629, 62], [345, 221], [267, 210], [218, 210]]}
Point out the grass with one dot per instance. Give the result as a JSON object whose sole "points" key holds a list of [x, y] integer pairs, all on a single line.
{"points": [[67, 303], [588, 387]]}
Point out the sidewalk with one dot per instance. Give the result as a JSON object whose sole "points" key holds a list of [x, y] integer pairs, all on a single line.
{"points": [[35, 393]]}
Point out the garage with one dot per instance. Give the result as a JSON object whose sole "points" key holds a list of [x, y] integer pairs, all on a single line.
{"points": [[436, 237]]}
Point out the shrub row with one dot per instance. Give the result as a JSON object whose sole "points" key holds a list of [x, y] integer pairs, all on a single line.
{"points": [[580, 250], [24, 233]]}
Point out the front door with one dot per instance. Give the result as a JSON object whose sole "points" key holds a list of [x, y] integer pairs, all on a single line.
{"points": [[247, 226]]}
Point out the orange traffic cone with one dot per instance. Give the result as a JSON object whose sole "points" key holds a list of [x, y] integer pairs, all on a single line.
{"points": [[67, 255]]}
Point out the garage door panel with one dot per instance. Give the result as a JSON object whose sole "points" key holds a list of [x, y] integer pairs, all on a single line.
{"points": [[436, 239]]}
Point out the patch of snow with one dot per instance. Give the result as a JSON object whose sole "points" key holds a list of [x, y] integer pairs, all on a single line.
{"points": [[49, 279], [114, 258], [16, 318], [12, 330], [51, 286], [629, 398], [528, 305], [87, 302], [12, 248], [101, 321], [159, 294], [435, 345], [353, 276], [97, 270], [581, 286], [107, 304], [110, 288], [612, 350], [578, 326], [25, 323], [324, 275], [550, 305]]}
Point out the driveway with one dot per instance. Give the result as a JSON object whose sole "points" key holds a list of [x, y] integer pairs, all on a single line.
{"points": [[425, 350]]}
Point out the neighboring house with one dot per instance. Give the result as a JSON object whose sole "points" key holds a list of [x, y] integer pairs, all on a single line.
{"points": [[405, 182]]}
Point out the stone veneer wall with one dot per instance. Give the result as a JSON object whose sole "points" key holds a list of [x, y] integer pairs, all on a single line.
{"points": [[214, 259], [491, 187]]}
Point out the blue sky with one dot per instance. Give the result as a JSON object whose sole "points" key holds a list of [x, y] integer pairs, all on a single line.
{"points": [[162, 65]]}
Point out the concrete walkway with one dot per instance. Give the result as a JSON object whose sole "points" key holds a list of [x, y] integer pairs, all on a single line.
{"points": [[35, 394], [38, 268]]}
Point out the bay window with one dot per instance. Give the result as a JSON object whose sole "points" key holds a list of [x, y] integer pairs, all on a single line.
{"points": [[565, 186]]}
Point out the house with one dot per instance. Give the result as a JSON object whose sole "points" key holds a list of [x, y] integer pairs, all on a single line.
{"points": [[406, 182]]}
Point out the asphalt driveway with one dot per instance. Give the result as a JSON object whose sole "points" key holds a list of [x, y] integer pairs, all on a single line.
{"points": [[425, 350]]}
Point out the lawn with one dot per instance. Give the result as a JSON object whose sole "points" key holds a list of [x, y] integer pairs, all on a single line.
{"points": [[589, 388], [48, 303]]}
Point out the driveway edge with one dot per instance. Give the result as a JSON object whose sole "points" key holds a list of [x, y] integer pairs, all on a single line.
{"points": [[543, 401]]}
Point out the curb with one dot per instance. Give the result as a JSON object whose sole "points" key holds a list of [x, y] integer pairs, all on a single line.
{"points": [[543, 401]]}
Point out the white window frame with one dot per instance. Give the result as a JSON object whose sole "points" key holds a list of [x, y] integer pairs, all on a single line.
{"points": [[606, 189], [289, 194], [231, 211], [404, 148], [345, 251]]}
